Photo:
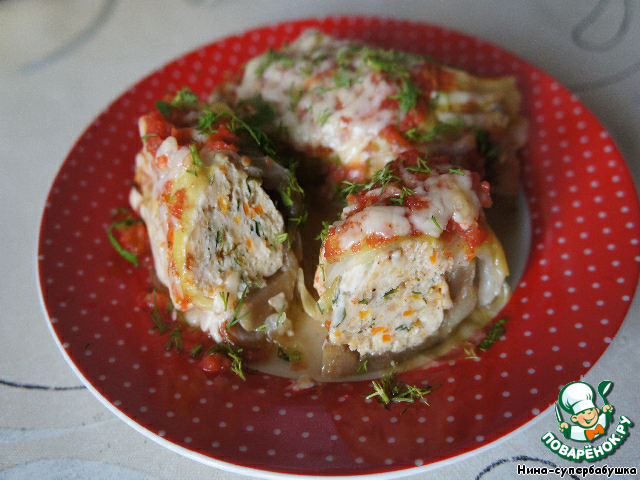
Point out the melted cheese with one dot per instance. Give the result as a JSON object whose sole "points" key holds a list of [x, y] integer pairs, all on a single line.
{"points": [[344, 120], [448, 197]]}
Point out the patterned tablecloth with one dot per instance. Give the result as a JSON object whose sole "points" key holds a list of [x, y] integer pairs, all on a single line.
{"points": [[63, 62]]}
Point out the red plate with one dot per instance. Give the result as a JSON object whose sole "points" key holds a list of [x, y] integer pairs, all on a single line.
{"points": [[573, 295]]}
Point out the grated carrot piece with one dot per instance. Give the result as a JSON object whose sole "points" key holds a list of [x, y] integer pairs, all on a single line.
{"points": [[222, 204]]}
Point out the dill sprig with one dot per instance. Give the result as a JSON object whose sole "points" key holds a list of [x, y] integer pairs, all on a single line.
{"points": [[391, 390], [233, 352], [288, 354], [322, 236], [225, 299], [422, 167], [362, 366], [471, 354], [494, 334], [235, 319], [156, 316], [175, 339], [382, 178]]}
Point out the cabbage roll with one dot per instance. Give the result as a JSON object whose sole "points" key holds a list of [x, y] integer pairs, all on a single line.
{"points": [[358, 107], [202, 187], [411, 257]]}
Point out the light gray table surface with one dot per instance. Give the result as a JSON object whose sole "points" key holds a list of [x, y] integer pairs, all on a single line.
{"points": [[63, 62]]}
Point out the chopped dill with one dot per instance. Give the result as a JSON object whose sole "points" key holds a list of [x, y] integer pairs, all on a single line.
{"points": [[235, 319], [389, 389], [494, 334], [362, 366], [231, 351]]}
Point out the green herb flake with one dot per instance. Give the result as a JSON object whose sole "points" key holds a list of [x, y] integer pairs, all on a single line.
{"points": [[170, 306], [283, 237], [185, 98], [271, 57], [295, 95], [175, 339], [438, 130], [351, 188], [238, 262], [292, 186], [322, 236], [484, 146], [471, 354], [156, 316], [422, 167], [405, 192], [300, 219], [382, 178], [390, 390], [407, 95], [388, 293], [207, 120], [235, 319], [344, 315], [126, 254], [342, 78], [286, 198], [323, 117], [362, 366], [163, 107], [195, 155], [288, 355], [456, 170], [233, 352], [225, 299], [195, 351], [433, 219], [494, 335]]}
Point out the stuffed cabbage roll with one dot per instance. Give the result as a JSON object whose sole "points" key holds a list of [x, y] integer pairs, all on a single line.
{"points": [[411, 257], [359, 107], [202, 187]]}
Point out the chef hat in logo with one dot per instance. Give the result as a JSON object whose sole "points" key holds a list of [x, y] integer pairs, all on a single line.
{"points": [[576, 397]]}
